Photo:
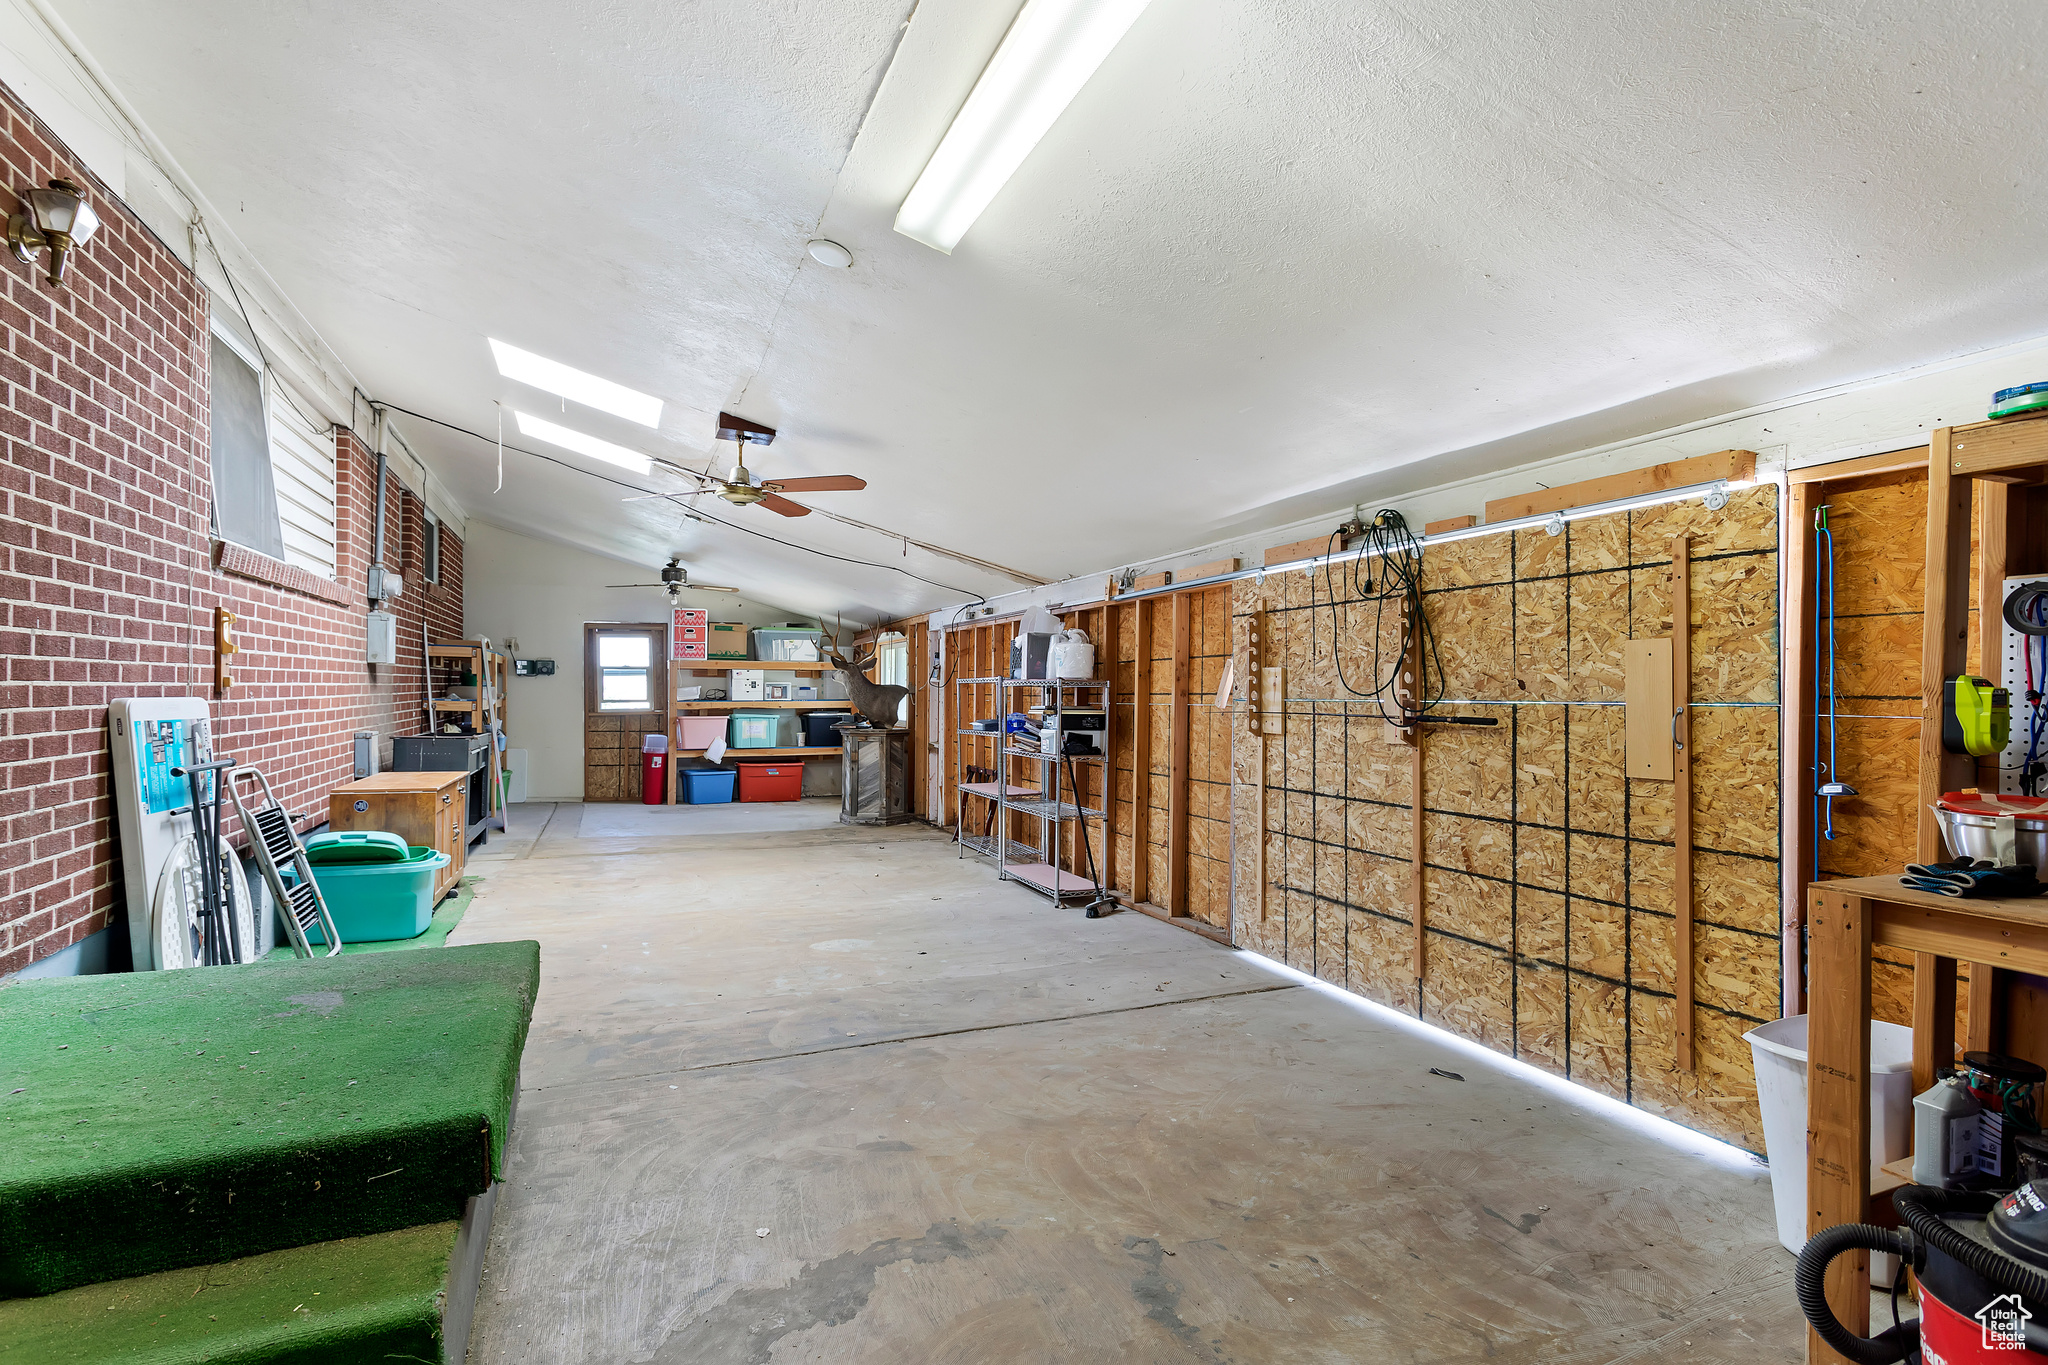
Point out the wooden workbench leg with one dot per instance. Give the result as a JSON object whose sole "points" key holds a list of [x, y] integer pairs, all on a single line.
{"points": [[1838, 1096], [1981, 1031], [1934, 1017]]}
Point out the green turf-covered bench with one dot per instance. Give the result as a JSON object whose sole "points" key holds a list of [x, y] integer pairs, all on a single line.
{"points": [[394, 1296], [167, 1119]]}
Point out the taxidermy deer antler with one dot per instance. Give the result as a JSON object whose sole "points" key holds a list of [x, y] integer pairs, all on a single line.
{"points": [[877, 703]]}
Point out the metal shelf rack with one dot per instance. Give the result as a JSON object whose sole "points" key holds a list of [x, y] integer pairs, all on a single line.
{"points": [[1046, 803]]}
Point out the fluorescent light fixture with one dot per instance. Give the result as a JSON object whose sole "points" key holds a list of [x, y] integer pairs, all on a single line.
{"points": [[575, 385], [583, 445], [1720, 1153], [1051, 50]]}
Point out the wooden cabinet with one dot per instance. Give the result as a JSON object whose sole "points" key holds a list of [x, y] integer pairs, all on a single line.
{"points": [[424, 809]]}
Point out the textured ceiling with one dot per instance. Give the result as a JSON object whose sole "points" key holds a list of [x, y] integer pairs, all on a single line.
{"points": [[1272, 260]]}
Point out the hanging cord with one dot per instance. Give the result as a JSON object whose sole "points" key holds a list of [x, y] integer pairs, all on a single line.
{"points": [[1389, 544], [2030, 771]]}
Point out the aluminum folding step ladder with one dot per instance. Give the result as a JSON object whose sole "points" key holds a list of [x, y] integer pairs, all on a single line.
{"points": [[277, 845]]}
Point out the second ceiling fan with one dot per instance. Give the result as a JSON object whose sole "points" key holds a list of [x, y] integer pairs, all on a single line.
{"points": [[742, 489]]}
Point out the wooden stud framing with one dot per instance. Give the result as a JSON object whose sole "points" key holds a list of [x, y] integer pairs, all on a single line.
{"points": [[1178, 720], [1942, 632], [1934, 1016], [1796, 740], [1141, 752], [1259, 825], [1108, 653], [1838, 1123], [1437, 528], [1681, 797], [1733, 465]]}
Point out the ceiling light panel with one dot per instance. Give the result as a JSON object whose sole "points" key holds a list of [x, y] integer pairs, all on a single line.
{"points": [[1051, 50], [582, 444], [576, 386]]}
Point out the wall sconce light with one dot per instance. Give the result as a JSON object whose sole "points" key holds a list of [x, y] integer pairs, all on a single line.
{"points": [[57, 218]]}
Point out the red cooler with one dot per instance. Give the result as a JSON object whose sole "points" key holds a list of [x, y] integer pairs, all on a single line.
{"points": [[654, 770], [771, 781]]}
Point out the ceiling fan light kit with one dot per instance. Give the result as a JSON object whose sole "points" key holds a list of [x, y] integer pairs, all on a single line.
{"points": [[741, 490]]}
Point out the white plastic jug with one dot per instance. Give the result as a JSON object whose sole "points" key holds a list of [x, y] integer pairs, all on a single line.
{"points": [[1073, 656]]}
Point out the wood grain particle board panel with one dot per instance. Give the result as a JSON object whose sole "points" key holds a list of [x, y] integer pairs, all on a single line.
{"points": [[1596, 626], [1596, 937], [1540, 858], [1596, 786], [1650, 957], [1877, 666], [1872, 574], [1371, 827], [1735, 629], [1379, 952], [1542, 649], [1538, 554], [1597, 867], [1331, 933], [1469, 907], [1879, 758], [1471, 768], [1540, 764], [1540, 1017], [1301, 932], [1470, 991], [1730, 973], [1599, 1041], [1539, 925], [1461, 563], [1378, 771], [1719, 1097], [1652, 812], [1598, 542], [1748, 522], [1735, 779], [1482, 846], [1379, 884], [1474, 629]]}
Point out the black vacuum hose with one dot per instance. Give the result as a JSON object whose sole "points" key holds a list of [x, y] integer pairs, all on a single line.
{"points": [[1809, 1278], [1921, 1207]]}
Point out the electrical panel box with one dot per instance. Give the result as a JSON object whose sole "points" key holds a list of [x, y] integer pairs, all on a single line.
{"points": [[533, 668], [383, 638], [364, 754]]}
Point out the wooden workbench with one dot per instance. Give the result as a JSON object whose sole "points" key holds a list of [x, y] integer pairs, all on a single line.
{"points": [[1844, 919]]}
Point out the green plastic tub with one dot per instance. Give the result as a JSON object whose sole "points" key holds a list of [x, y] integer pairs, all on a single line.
{"points": [[373, 902]]}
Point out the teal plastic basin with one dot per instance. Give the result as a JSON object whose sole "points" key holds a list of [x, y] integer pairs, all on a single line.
{"points": [[375, 902]]}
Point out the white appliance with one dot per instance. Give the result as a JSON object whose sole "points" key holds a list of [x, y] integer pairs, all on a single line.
{"points": [[149, 737]]}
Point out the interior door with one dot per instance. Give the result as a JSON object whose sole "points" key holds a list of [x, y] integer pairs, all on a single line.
{"points": [[625, 696]]}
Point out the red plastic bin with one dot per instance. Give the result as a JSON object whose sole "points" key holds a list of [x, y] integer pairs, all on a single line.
{"points": [[771, 781]]}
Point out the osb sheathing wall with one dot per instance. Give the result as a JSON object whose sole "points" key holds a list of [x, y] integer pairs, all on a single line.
{"points": [[1879, 527], [1548, 872]]}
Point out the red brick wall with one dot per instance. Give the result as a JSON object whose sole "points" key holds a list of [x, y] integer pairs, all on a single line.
{"points": [[110, 580]]}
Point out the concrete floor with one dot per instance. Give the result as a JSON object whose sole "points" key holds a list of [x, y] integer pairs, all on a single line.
{"points": [[833, 1095]]}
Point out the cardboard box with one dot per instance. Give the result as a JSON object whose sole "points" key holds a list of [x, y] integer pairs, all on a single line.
{"points": [[728, 640]]}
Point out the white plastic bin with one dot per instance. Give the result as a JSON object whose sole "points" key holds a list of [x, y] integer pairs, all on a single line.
{"points": [[1778, 1052]]}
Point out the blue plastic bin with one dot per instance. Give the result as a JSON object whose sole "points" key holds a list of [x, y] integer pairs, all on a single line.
{"points": [[376, 902], [708, 786]]}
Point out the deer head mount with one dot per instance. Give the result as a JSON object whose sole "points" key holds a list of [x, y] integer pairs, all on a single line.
{"points": [[877, 703]]}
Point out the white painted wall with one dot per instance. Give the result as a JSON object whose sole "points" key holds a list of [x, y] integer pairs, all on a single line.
{"points": [[540, 595]]}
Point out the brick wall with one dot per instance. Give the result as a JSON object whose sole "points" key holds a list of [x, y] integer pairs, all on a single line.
{"points": [[110, 579]]}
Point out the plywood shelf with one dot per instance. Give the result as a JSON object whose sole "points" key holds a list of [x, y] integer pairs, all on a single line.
{"points": [[989, 789], [1046, 877], [839, 705], [822, 751]]}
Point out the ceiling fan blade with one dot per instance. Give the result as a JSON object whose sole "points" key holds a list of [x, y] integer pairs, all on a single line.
{"points": [[636, 585], [823, 483], [711, 587], [784, 506]]}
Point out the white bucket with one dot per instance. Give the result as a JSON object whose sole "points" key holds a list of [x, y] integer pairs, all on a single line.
{"points": [[1073, 659], [1778, 1052]]}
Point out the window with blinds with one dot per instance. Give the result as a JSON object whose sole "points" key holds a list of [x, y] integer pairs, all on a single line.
{"points": [[302, 467]]}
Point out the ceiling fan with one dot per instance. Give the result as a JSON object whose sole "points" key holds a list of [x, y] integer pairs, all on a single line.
{"points": [[742, 489], [674, 580]]}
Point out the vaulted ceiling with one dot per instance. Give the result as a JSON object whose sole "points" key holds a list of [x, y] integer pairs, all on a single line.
{"points": [[1273, 259]]}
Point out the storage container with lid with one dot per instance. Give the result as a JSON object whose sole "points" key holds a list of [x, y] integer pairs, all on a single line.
{"points": [[1999, 827]]}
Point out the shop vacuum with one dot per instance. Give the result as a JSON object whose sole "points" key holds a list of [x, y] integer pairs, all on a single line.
{"points": [[1982, 1263]]}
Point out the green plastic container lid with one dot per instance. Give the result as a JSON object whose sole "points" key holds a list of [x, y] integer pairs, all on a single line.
{"points": [[2032, 399], [356, 846]]}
